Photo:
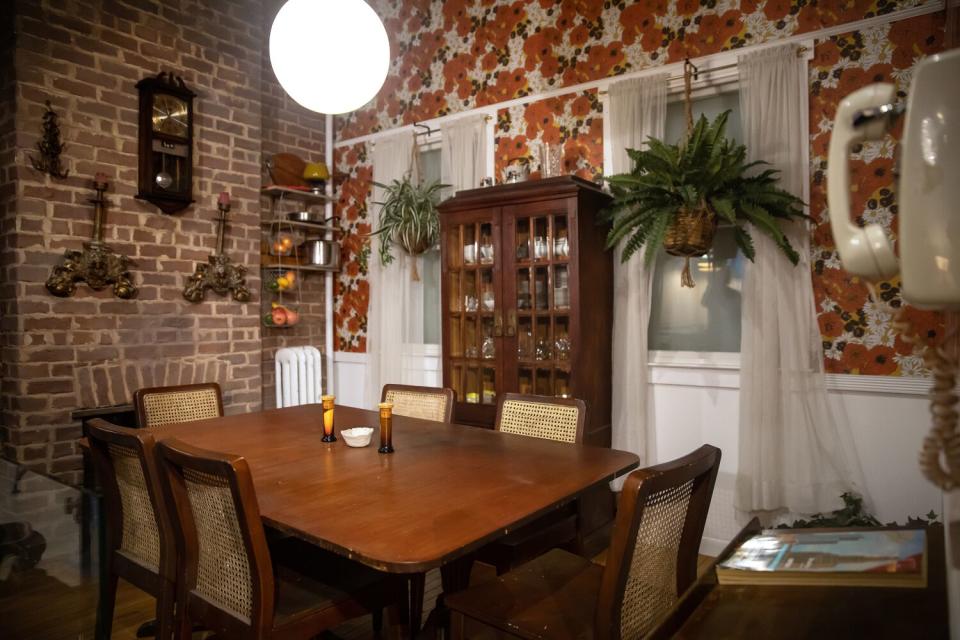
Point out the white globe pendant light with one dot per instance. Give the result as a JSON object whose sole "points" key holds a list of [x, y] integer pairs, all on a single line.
{"points": [[331, 56]]}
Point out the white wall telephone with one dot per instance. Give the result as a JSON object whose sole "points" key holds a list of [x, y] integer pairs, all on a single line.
{"points": [[928, 196]]}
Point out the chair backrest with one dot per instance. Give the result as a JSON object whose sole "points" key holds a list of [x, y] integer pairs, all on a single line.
{"points": [[224, 559], [652, 558], [545, 417], [426, 403], [138, 525], [159, 406]]}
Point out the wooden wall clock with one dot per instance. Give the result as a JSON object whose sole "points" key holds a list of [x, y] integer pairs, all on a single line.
{"points": [[166, 142]]}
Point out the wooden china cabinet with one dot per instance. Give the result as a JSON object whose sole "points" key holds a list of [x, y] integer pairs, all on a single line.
{"points": [[527, 298]]}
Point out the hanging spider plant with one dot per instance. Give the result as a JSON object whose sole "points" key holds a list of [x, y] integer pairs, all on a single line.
{"points": [[408, 217], [677, 192]]}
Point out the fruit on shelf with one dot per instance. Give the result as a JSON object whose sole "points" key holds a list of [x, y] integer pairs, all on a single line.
{"points": [[279, 281], [281, 316]]}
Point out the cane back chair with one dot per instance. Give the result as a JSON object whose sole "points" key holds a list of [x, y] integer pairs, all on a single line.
{"points": [[426, 403], [227, 578], [651, 562], [140, 547], [548, 418], [158, 406]]}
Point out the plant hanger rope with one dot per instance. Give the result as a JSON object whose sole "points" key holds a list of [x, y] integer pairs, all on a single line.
{"points": [[692, 233]]}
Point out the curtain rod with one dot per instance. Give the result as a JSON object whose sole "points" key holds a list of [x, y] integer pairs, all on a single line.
{"points": [[697, 71]]}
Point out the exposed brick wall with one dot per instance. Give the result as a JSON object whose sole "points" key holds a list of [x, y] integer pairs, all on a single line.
{"points": [[86, 56], [288, 127], [8, 222]]}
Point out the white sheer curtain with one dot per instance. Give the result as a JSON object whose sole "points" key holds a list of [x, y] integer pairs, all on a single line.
{"points": [[794, 456], [638, 109], [463, 153], [395, 315]]}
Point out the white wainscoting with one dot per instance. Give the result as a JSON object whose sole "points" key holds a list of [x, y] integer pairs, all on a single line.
{"points": [[421, 366], [888, 416], [695, 400]]}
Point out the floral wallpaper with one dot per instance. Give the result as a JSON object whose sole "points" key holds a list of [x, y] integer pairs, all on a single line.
{"points": [[453, 55], [459, 54], [574, 121], [857, 332], [354, 175]]}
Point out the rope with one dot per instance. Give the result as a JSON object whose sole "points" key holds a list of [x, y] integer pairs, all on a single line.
{"points": [[415, 170], [940, 454], [687, 92], [686, 278]]}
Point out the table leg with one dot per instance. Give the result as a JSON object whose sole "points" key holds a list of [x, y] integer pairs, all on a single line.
{"points": [[415, 588], [455, 576]]}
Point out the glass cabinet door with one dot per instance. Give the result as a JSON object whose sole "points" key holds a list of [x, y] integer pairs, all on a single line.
{"points": [[473, 317], [537, 291]]}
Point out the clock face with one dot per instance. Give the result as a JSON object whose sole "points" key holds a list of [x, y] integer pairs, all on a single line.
{"points": [[170, 115]]}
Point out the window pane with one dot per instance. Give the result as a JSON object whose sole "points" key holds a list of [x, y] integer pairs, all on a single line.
{"points": [[707, 317], [430, 272]]}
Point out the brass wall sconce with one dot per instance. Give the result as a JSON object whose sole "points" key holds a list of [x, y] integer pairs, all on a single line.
{"points": [[218, 274], [97, 265]]}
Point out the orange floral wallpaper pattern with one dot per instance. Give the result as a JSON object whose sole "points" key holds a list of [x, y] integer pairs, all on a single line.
{"points": [[453, 55], [857, 333], [354, 175], [456, 55], [573, 121]]}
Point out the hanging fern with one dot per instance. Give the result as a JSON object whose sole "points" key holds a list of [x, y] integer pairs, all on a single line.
{"points": [[704, 170]]}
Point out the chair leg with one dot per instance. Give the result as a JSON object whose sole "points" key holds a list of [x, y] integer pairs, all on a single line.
{"points": [[456, 625], [165, 611], [105, 606], [377, 616], [183, 627]]}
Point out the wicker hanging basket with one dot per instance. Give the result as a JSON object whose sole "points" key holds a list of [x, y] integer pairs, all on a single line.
{"points": [[691, 232]]}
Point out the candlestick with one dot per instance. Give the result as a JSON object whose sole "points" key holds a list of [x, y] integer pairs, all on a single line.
{"points": [[386, 427], [328, 404]]}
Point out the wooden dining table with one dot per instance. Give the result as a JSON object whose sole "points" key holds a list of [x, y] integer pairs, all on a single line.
{"points": [[445, 491]]}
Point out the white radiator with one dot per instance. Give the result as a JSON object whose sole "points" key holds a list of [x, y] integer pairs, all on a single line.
{"points": [[299, 375]]}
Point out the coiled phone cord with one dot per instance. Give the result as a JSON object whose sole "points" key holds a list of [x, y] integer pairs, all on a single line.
{"points": [[940, 454]]}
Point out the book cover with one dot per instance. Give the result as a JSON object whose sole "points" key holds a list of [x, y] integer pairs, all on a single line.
{"points": [[896, 557]]}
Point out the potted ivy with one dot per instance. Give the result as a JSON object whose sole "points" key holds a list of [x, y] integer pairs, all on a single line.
{"points": [[677, 193], [408, 218]]}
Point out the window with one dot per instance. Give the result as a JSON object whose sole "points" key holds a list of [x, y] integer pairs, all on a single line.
{"points": [[707, 317], [430, 271]]}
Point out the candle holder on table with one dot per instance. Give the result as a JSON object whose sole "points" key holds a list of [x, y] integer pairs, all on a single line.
{"points": [[386, 427], [328, 425]]}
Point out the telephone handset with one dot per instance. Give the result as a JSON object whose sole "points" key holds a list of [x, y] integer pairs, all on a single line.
{"points": [[928, 192]]}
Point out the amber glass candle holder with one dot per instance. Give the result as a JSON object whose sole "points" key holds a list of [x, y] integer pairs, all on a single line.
{"points": [[328, 435], [386, 427]]}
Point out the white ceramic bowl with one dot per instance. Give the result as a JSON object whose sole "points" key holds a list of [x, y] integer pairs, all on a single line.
{"points": [[358, 436]]}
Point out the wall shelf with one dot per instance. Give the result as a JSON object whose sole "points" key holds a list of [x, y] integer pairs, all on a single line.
{"points": [[268, 261], [277, 192], [306, 226]]}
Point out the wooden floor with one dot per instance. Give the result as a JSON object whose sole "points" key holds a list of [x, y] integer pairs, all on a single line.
{"points": [[39, 607]]}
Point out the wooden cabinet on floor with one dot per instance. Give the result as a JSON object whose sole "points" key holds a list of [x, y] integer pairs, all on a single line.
{"points": [[527, 298]]}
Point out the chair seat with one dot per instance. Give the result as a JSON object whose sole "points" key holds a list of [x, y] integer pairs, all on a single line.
{"points": [[553, 596]]}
